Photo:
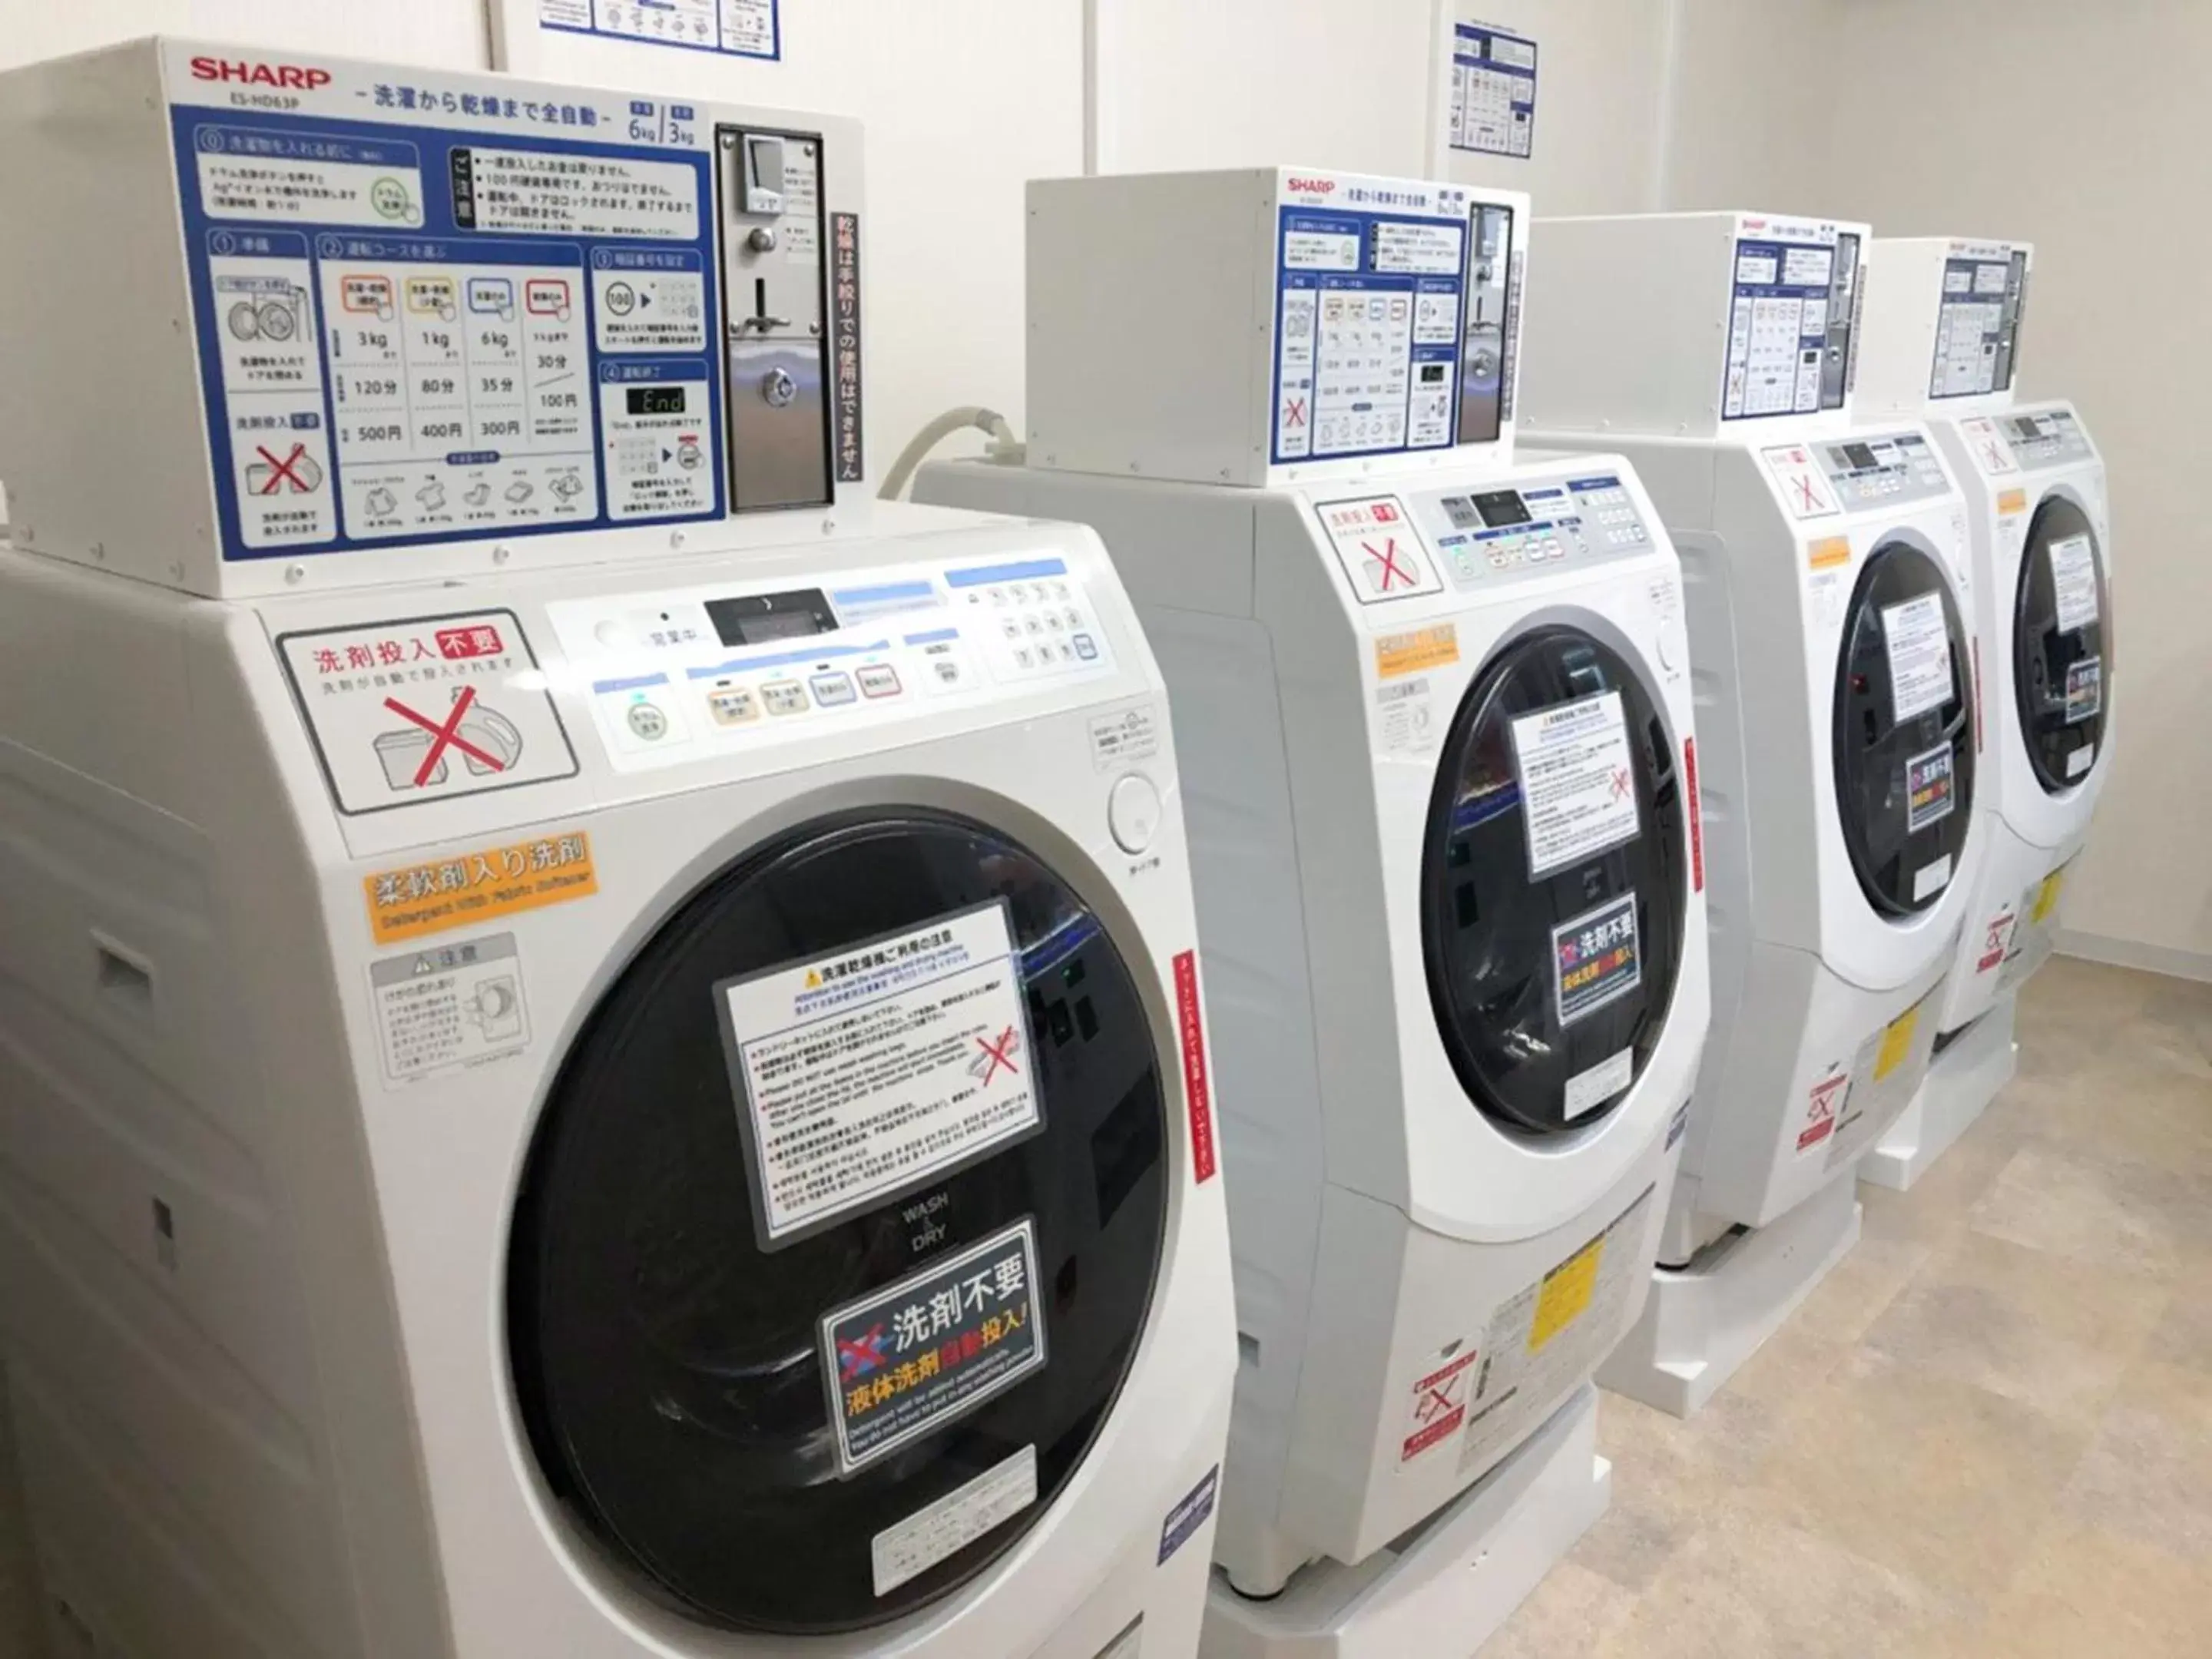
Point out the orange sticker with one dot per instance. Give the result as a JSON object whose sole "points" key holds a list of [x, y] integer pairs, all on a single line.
{"points": [[1829, 552], [460, 890], [1397, 655], [2013, 501]]}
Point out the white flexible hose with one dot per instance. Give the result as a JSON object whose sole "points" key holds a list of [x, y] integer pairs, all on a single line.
{"points": [[1003, 444]]}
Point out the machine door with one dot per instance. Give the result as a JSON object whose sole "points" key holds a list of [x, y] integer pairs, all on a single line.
{"points": [[2059, 661], [1553, 884], [748, 1425], [1904, 736]]}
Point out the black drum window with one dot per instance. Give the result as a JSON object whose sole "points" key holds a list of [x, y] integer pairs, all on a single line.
{"points": [[1904, 736], [1553, 883], [2061, 664], [678, 1375]]}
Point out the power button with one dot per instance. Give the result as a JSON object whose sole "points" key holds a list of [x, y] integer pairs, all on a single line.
{"points": [[1133, 813]]}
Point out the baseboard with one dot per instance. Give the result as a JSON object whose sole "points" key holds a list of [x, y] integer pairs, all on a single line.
{"points": [[2133, 953]]}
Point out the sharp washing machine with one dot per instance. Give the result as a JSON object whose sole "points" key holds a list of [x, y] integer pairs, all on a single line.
{"points": [[583, 1070], [1943, 327], [1433, 705], [1829, 608]]}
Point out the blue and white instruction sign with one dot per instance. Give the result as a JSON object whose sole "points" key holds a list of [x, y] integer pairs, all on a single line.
{"points": [[1493, 91], [742, 28]]}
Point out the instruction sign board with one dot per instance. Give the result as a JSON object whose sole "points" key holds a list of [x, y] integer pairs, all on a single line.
{"points": [[916, 1355], [741, 28], [1577, 780], [1919, 644], [1493, 91], [879, 1065], [2074, 582]]}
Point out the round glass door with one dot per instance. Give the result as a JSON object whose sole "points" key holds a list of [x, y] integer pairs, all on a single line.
{"points": [[1904, 737], [1553, 884], [2059, 657], [751, 1343]]}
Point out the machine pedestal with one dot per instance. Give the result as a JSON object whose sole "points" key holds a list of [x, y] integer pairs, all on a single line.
{"points": [[1961, 1083], [1441, 1592], [1702, 1322]]}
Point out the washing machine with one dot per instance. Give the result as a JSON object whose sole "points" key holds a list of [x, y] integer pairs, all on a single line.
{"points": [[1829, 611], [1434, 708], [631, 1085], [1943, 321]]}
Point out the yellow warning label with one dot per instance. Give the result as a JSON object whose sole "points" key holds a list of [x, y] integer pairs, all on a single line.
{"points": [[465, 888], [2046, 896], [2013, 501], [1896, 1043], [1829, 552], [1397, 655], [1566, 1292]]}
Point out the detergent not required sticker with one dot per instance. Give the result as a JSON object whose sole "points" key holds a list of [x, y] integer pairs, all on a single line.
{"points": [[912, 1357], [904, 1552], [1931, 788], [1544, 1340], [2085, 689], [447, 1006], [2074, 582], [1595, 959], [871, 1069], [1437, 1408], [1577, 780], [1382, 554], [1919, 644], [459, 889]]}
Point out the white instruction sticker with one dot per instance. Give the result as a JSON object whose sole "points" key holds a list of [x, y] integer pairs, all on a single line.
{"points": [[540, 193], [1416, 246], [448, 1006], [2074, 582], [1919, 656], [1931, 878], [955, 1521], [1577, 780], [2080, 760], [1588, 1090], [1124, 738], [880, 1066]]}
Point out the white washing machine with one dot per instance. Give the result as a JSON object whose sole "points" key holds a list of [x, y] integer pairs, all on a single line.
{"points": [[631, 1086], [1829, 608], [1433, 705], [1943, 317]]}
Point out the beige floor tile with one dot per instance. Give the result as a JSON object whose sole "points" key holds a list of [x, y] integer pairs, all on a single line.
{"points": [[1746, 1586], [2126, 1108], [2083, 1207], [1929, 1476], [2147, 1476], [1947, 1190], [1860, 1287], [2052, 1334], [1568, 1615], [2068, 996], [2085, 1595]]}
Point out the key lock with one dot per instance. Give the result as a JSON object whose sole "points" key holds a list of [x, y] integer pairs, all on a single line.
{"points": [[774, 238]]}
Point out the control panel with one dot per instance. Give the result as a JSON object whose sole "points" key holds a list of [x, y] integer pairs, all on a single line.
{"points": [[1486, 535], [1790, 317], [1881, 471], [675, 675], [1977, 320], [2043, 437]]}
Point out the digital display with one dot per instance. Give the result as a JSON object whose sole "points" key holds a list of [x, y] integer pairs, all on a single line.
{"points": [[1461, 511], [1502, 507], [2025, 427], [1858, 455], [656, 400], [763, 618]]}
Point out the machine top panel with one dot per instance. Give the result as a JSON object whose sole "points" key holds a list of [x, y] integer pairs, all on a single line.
{"points": [[1856, 472], [1792, 310], [2025, 440]]}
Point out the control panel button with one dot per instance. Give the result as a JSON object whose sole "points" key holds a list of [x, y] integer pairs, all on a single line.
{"points": [[878, 680], [1133, 813], [833, 689], [784, 697], [648, 721], [1087, 647], [733, 706]]}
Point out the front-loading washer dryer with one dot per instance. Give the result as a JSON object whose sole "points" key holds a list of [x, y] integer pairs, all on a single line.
{"points": [[1433, 704], [585, 1069], [1944, 323], [1829, 610]]}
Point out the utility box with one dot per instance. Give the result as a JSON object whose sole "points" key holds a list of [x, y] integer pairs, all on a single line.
{"points": [[1943, 324], [1268, 325], [277, 319]]}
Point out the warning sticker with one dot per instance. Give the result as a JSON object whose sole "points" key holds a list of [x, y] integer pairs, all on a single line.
{"points": [[1405, 717], [1553, 1334], [1382, 554], [2085, 689], [879, 1067], [925, 1351], [1931, 788], [1396, 655], [1885, 1074], [2074, 582], [459, 889], [1996, 940], [905, 1552], [1124, 738], [1577, 782], [1595, 959], [1822, 1102], [1198, 1090], [1438, 1408], [426, 709], [1919, 656], [448, 1007]]}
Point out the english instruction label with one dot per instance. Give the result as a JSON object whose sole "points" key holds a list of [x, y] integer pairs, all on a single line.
{"points": [[1595, 959], [905, 1552]]}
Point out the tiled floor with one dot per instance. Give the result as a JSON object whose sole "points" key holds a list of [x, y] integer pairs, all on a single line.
{"points": [[1990, 1431]]}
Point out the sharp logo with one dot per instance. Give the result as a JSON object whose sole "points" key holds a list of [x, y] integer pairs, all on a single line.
{"points": [[295, 76], [1313, 186]]}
